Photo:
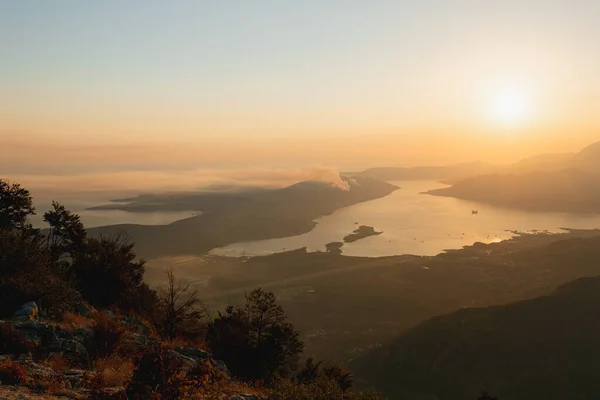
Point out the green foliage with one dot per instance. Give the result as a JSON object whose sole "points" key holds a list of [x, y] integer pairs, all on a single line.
{"points": [[311, 373], [67, 234], [27, 274], [178, 310], [255, 341], [12, 341], [15, 206], [320, 389], [156, 375], [107, 339], [109, 262], [341, 377], [56, 269]]}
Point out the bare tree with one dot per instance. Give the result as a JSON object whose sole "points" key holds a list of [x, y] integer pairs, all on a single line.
{"points": [[181, 309]]}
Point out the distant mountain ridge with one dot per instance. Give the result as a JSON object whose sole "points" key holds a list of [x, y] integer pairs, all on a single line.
{"points": [[236, 216], [445, 173], [570, 190], [550, 183], [587, 159]]}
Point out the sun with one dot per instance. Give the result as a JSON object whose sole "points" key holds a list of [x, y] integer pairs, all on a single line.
{"points": [[510, 107]]}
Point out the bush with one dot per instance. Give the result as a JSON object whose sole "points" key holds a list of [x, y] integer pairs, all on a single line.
{"points": [[12, 373], [114, 370], [75, 321], [255, 341], [107, 273], [49, 385], [205, 372], [321, 389], [26, 274], [12, 341], [179, 313], [107, 338], [157, 374], [111, 372]]}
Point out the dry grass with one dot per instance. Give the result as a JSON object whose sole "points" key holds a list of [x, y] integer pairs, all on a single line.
{"points": [[114, 371], [75, 321], [48, 386], [59, 363], [198, 343]]}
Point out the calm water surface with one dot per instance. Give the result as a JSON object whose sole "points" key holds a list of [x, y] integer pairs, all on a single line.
{"points": [[414, 223]]}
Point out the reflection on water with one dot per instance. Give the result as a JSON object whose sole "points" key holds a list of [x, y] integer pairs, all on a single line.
{"points": [[414, 223]]}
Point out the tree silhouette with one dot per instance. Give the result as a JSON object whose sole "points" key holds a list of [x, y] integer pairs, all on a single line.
{"points": [[107, 273], [255, 341], [15, 206], [180, 311], [67, 234], [310, 372]]}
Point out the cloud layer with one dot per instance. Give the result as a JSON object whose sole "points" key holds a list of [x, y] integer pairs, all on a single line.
{"points": [[166, 181]]}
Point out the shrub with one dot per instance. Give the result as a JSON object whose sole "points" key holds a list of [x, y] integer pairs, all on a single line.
{"points": [[179, 313], [341, 377], [114, 370], [12, 341], [157, 374], [49, 386], [205, 372], [74, 321], [109, 262], [28, 274], [321, 389], [255, 341], [107, 339], [12, 373]]}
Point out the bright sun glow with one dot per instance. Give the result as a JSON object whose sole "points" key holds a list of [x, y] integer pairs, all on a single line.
{"points": [[510, 107]]}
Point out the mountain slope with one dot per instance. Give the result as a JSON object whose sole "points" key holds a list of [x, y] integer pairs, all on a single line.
{"points": [[545, 348], [569, 190], [446, 173], [588, 159]]}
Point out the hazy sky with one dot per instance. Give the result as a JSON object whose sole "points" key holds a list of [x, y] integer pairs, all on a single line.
{"points": [[334, 82]]}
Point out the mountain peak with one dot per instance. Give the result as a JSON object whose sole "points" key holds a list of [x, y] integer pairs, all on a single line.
{"points": [[592, 150]]}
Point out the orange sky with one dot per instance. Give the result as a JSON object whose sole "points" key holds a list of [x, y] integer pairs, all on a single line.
{"points": [[114, 86]]}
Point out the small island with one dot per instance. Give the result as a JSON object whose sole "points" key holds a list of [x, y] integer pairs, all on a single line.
{"points": [[334, 247], [362, 232]]}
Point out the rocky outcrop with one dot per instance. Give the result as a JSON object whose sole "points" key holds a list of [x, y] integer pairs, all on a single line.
{"points": [[28, 311], [54, 339]]}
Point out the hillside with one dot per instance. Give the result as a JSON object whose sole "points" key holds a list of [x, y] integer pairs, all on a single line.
{"points": [[235, 216], [569, 190], [544, 348], [444, 173], [551, 182]]}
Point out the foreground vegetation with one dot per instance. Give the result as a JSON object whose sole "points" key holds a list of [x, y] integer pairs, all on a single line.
{"points": [[82, 305]]}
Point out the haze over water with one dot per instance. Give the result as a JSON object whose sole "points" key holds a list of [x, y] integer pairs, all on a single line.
{"points": [[415, 223]]}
